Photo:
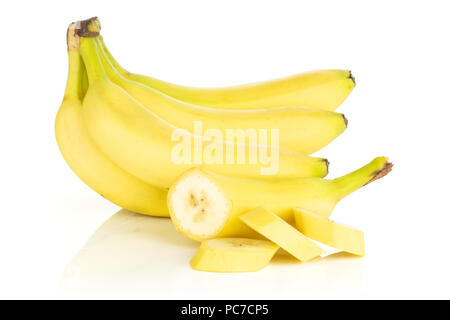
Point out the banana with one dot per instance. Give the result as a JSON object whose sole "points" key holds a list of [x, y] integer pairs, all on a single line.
{"points": [[141, 143], [328, 232], [323, 89], [283, 234], [86, 159], [303, 129], [205, 205], [233, 255]]}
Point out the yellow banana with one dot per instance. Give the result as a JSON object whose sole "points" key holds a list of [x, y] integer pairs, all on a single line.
{"points": [[303, 129], [233, 255], [86, 159], [323, 89], [328, 232], [206, 205], [142, 143], [283, 234]]}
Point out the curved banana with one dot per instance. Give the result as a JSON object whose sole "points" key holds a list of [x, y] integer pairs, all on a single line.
{"points": [[205, 205], [323, 89], [142, 143], [85, 158], [302, 129]]}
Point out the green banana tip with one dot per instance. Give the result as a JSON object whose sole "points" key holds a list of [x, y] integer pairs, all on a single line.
{"points": [[88, 28]]}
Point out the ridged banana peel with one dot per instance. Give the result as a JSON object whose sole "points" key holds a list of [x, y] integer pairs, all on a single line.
{"points": [[233, 255], [329, 232], [300, 128], [142, 143]]}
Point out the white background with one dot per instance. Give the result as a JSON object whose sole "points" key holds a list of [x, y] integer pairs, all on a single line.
{"points": [[399, 53]]}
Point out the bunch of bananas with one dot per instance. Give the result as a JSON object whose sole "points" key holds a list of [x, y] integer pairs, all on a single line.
{"points": [[116, 131]]}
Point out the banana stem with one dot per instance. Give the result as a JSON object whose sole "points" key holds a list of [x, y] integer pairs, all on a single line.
{"points": [[376, 169], [108, 65], [88, 28], [110, 57], [89, 53]]}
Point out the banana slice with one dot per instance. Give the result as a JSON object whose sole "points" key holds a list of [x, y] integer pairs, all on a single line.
{"points": [[233, 255], [329, 232], [280, 232]]}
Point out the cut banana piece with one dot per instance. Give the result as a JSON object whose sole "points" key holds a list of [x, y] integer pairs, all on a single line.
{"points": [[280, 232], [233, 255], [329, 232]]}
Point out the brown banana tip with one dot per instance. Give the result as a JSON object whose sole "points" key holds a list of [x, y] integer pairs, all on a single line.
{"points": [[327, 163], [381, 173], [345, 120], [88, 28], [350, 76]]}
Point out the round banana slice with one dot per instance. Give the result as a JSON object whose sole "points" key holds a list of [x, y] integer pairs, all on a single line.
{"points": [[233, 255], [280, 232], [329, 232]]}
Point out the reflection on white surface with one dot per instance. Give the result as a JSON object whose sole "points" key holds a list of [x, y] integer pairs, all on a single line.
{"points": [[133, 253]]}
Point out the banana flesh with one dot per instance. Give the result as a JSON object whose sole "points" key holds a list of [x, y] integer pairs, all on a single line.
{"points": [[283, 234], [233, 255], [330, 233]]}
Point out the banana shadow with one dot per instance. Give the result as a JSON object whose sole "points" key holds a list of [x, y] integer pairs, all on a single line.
{"points": [[132, 253], [127, 246], [138, 229]]}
